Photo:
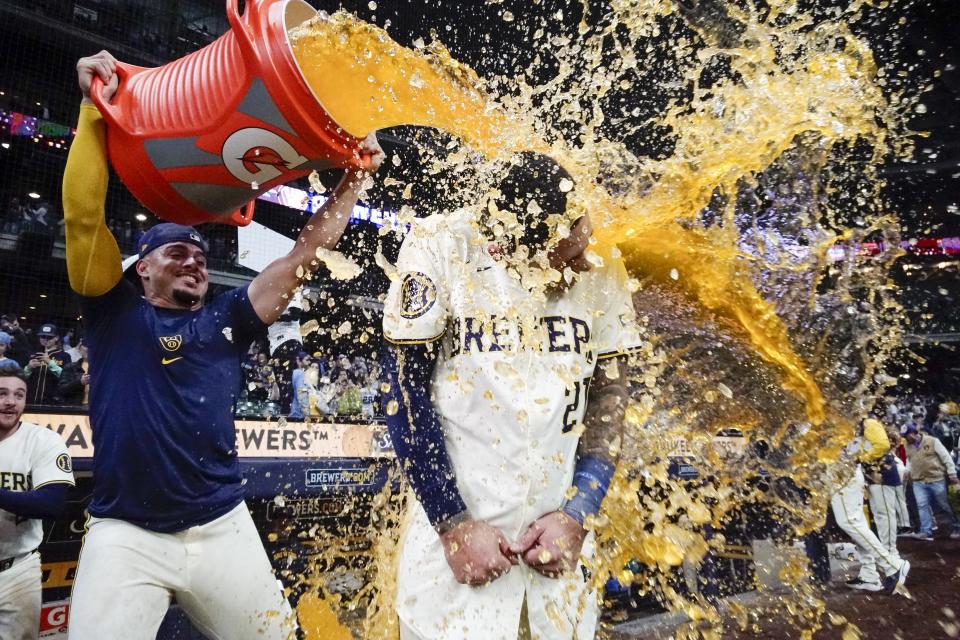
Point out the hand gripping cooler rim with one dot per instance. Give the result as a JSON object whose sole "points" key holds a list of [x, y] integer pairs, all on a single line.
{"points": [[268, 58]]}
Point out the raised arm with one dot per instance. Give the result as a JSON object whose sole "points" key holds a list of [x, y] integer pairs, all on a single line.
{"points": [[93, 258], [270, 291]]}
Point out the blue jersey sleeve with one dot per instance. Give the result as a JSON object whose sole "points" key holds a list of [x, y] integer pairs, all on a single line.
{"points": [[97, 311], [46, 502], [240, 317], [417, 433]]}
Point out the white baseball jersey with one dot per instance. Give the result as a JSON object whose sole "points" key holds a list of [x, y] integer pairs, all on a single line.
{"points": [[29, 459], [509, 388]]}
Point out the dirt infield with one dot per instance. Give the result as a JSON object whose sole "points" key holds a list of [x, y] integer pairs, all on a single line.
{"points": [[931, 613]]}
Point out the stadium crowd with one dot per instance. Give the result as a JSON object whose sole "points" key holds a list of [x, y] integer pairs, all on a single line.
{"points": [[310, 385], [38, 218]]}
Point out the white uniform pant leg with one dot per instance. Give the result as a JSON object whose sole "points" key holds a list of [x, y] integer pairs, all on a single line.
{"points": [[20, 600], [124, 581], [231, 592], [883, 506], [903, 513], [847, 506]]}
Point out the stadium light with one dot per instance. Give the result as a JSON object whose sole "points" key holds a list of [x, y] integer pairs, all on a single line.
{"points": [[34, 195], [140, 217]]}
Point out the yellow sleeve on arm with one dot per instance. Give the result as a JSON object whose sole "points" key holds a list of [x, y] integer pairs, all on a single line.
{"points": [[93, 257], [876, 435]]}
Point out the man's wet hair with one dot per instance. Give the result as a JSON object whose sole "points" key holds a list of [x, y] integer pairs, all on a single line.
{"points": [[533, 177]]}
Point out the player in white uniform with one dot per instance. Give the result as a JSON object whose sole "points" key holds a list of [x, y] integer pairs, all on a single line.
{"points": [[870, 446], [491, 441], [35, 471]]}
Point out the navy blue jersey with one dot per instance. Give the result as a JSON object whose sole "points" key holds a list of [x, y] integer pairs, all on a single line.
{"points": [[162, 393]]}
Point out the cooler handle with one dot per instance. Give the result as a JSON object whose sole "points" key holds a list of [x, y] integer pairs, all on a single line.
{"points": [[109, 110], [242, 217], [238, 25]]}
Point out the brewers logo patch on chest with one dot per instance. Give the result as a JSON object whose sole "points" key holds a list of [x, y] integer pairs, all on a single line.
{"points": [[171, 343]]}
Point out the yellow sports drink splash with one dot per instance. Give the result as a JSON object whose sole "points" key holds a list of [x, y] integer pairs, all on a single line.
{"points": [[755, 296], [366, 82]]}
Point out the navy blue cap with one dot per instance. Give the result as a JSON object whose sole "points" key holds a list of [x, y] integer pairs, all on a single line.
{"points": [[47, 330], [167, 232], [909, 428]]}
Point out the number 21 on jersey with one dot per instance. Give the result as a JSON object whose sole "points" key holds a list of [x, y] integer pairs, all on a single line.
{"points": [[578, 397]]}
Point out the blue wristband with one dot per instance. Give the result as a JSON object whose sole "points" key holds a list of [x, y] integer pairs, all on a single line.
{"points": [[591, 478]]}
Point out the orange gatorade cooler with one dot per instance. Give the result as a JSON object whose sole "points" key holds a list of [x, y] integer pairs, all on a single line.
{"points": [[198, 139]]}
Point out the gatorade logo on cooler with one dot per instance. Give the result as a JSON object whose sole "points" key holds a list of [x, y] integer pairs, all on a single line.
{"points": [[257, 155]]}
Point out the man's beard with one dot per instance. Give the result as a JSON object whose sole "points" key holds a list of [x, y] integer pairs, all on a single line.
{"points": [[185, 297]]}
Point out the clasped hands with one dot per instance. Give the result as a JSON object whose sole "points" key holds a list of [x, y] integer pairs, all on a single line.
{"points": [[478, 552]]}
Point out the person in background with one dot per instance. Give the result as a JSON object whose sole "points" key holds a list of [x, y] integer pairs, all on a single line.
{"points": [[74, 387], [883, 479], [5, 342], [285, 342], [930, 467], [44, 367], [349, 402], [899, 456], [71, 344], [318, 391], [947, 425], [869, 447], [21, 348], [300, 399]]}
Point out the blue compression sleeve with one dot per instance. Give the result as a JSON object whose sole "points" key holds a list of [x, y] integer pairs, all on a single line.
{"points": [[45, 502], [591, 477], [417, 433]]}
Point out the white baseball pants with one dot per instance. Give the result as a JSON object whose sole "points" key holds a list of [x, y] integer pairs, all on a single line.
{"points": [[218, 572], [883, 506], [847, 504], [20, 600]]}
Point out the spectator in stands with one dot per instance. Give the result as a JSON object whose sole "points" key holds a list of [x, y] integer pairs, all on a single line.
{"points": [[74, 387], [899, 457], [13, 216], [946, 427], [349, 402], [45, 366], [883, 480], [285, 344], [370, 394], [258, 375], [20, 348], [5, 341], [37, 218], [72, 346], [319, 391], [929, 466], [299, 397]]}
